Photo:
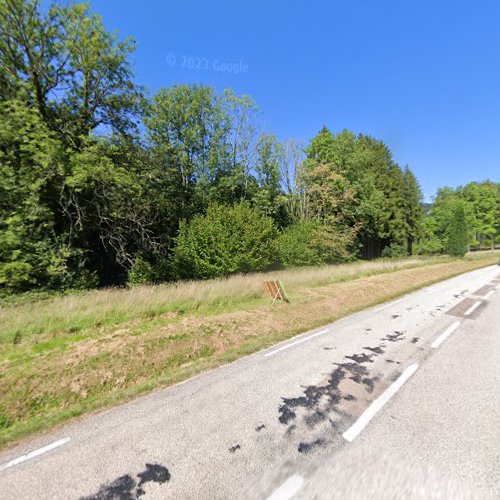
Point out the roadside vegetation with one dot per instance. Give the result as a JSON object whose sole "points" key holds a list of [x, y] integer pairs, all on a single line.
{"points": [[103, 184], [67, 355], [136, 229], [72, 313]]}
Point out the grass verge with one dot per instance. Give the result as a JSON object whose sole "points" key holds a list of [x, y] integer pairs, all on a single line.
{"points": [[65, 356]]}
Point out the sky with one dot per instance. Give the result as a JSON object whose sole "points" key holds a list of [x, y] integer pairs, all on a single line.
{"points": [[423, 76]]}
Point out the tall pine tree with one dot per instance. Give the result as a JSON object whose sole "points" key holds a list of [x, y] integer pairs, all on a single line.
{"points": [[457, 232]]}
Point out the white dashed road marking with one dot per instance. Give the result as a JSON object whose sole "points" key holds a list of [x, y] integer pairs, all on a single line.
{"points": [[288, 489], [355, 429], [445, 334], [304, 339], [472, 308], [387, 305], [33, 454]]}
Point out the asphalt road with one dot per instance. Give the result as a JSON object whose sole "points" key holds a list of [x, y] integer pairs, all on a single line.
{"points": [[398, 401]]}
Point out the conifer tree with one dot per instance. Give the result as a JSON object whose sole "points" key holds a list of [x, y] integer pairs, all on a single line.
{"points": [[457, 232]]}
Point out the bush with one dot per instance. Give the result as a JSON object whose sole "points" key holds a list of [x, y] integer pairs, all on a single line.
{"points": [[429, 246], [394, 251], [296, 245], [141, 273], [310, 243], [227, 240], [335, 245]]}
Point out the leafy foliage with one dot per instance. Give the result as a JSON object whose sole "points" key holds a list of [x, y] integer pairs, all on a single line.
{"points": [[141, 272], [100, 185], [297, 245], [353, 182], [394, 251], [226, 240], [480, 203]]}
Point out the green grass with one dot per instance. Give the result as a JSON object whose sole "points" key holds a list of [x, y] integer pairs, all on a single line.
{"points": [[64, 356]]}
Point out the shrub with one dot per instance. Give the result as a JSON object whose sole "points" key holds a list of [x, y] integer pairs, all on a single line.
{"points": [[141, 272], [296, 245], [310, 243], [226, 240], [394, 251], [429, 246], [334, 244]]}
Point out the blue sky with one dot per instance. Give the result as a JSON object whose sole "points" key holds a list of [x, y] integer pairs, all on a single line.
{"points": [[422, 76]]}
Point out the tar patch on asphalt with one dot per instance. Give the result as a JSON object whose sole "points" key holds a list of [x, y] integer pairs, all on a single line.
{"points": [[461, 308], [394, 337], [476, 313], [481, 292], [308, 447], [132, 489], [315, 414]]}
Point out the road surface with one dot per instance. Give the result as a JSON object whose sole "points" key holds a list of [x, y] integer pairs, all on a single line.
{"points": [[398, 401]]}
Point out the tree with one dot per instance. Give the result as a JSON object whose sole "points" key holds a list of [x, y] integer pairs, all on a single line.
{"points": [[269, 198], [292, 175], [243, 115], [480, 203], [328, 194], [355, 180], [484, 200], [297, 245], [310, 243], [106, 208], [437, 224], [412, 208], [64, 62], [187, 129], [32, 252], [429, 241], [72, 204], [457, 233]]}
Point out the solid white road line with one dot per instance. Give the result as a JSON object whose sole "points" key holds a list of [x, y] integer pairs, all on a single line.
{"points": [[355, 429], [288, 489], [489, 294], [321, 332], [33, 454], [387, 305], [472, 308], [445, 334]]}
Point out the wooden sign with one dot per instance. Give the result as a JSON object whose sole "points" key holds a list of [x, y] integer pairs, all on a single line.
{"points": [[275, 290]]}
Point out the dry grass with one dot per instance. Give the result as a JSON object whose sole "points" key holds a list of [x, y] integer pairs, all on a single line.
{"points": [[73, 313], [77, 353]]}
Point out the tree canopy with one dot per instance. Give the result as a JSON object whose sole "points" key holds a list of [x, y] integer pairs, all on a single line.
{"points": [[102, 184]]}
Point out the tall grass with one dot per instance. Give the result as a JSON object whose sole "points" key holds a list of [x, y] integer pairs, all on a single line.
{"points": [[48, 378], [74, 312]]}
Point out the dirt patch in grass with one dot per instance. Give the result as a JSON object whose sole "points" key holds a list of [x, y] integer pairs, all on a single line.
{"points": [[55, 375]]}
